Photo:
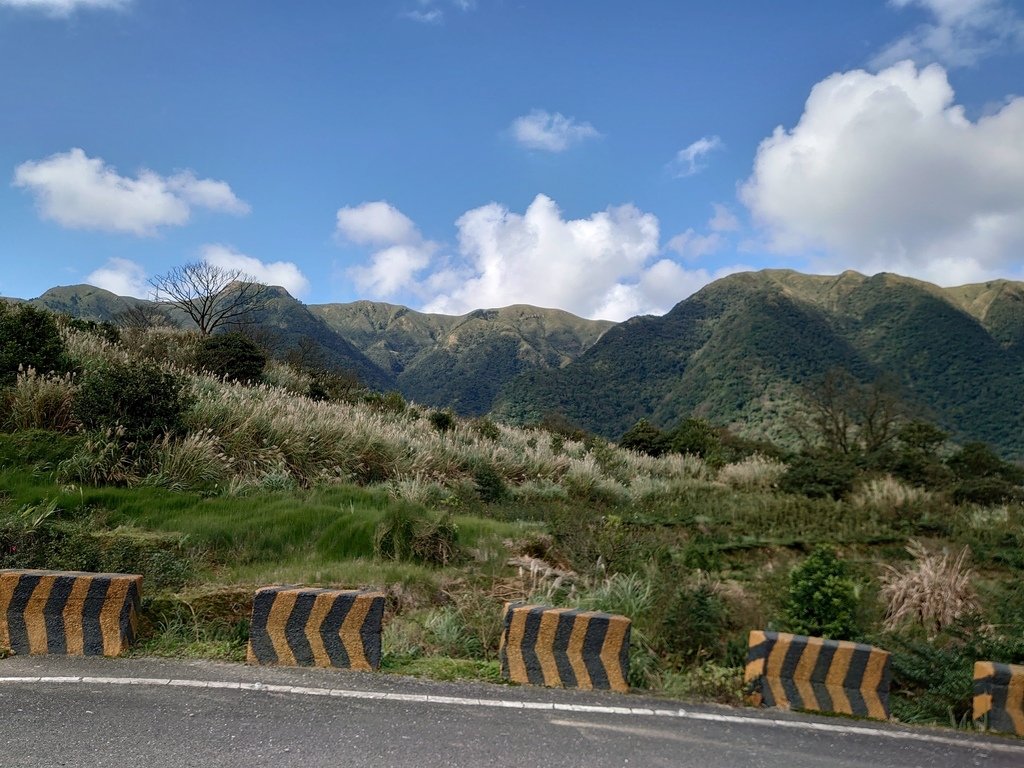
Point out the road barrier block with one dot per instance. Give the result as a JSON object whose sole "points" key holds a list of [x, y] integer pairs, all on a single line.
{"points": [[302, 627], [559, 647], [999, 696], [811, 673], [68, 613]]}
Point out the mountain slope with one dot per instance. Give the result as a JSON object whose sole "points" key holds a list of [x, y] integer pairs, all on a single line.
{"points": [[461, 362], [283, 325], [741, 351]]}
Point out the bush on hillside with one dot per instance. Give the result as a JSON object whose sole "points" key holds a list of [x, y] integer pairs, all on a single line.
{"points": [[140, 400], [29, 338], [409, 533], [819, 477], [822, 599], [231, 356], [643, 437]]}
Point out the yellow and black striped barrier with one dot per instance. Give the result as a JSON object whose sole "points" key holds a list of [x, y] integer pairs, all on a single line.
{"points": [[68, 613], [999, 696], [302, 627], [558, 647], [811, 673]]}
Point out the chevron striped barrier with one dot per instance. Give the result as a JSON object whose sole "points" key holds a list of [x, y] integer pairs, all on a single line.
{"points": [[302, 627], [999, 696], [811, 673], [68, 613], [558, 647]]}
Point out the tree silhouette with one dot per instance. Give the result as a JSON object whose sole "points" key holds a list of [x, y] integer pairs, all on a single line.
{"points": [[212, 296]]}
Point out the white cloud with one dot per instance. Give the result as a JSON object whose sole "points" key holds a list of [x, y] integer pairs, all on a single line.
{"points": [[600, 266], [121, 276], [550, 132], [402, 250], [376, 223], [283, 273], [691, 245], [961, 33], [693, 159], [724, 220], [430, 12], [64, 7], [885, 172], [81, 192], [393, 269]]}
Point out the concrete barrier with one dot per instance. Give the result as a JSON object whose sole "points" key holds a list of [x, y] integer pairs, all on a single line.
{"points": [[68, 613], [302, 627], [811, 673], [558, 647], [999, 696]]}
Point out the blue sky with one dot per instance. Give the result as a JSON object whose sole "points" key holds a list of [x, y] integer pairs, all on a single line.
{"points": [[603, 157]]}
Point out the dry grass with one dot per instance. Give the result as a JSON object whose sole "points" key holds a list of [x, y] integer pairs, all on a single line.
{"points": [[933, 592], [888, 493], [755, 473], [40, 402], [245, 437]]}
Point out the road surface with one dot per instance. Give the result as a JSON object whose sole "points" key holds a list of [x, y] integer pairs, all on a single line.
{"points": [[88, 713]]}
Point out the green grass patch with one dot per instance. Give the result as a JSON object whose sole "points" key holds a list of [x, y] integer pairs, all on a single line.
{"points": [[442, 668]]}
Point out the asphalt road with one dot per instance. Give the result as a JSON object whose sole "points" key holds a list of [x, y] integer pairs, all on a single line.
{"points": [[175, 714]]}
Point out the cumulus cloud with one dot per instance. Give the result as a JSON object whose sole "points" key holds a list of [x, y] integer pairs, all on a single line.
{"points": [[402, 250], [283, 273], [64, 7], [960, 33], [550, 132], [724, 219], [376, 223], [121, 276], [608, 265], [692, 160], [81, 192], [885, 172]]}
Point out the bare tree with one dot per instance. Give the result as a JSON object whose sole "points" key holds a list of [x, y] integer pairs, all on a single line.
{"points": [[212, 296], [143, 316], [848, 416]]}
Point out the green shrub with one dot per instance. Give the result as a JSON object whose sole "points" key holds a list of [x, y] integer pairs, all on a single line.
{"points": [[819, 477], [933, 679], [231, 356], [140, 399], [412, 534], [490, 485], [645, 438], [442, 421], [695, 623], [29, 338], [987, 491], [822, 598]]}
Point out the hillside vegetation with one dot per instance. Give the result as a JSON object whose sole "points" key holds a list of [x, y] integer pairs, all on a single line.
{"points": [[126, 456], [742, 352]]}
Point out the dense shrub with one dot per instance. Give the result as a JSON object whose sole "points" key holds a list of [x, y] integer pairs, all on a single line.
{"points": [[231, 356], [412, 534], [643, 437], [490, 485], [694, 626], [933, 679], [442, 421], [822, 599], [141, 400], [29, 338], [819, 477]]}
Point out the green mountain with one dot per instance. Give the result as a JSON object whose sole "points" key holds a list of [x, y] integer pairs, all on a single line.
{"points": [[742, 350], [463, 361], [284, 325]]}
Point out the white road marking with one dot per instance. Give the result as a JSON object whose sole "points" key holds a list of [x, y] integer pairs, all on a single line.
{"points": [[679, 714]]}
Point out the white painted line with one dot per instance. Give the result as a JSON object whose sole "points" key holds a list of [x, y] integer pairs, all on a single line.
{"points": [[677, 714]]}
